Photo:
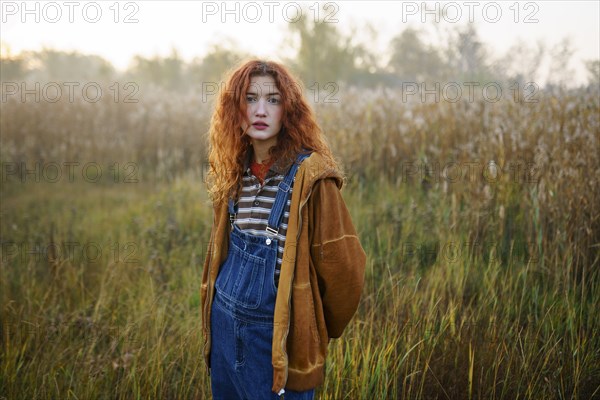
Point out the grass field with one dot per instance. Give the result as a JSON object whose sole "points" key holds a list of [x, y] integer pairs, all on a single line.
{"points": [[481, 222]]}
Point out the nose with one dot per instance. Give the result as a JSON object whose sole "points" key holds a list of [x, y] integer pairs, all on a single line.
{"points": [[261, 109]]}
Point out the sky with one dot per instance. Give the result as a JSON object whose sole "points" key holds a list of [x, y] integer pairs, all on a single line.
{"points": [[119, 30]]}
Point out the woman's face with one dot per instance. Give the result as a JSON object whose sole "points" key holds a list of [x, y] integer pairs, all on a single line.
{"points": [[264, 111]]}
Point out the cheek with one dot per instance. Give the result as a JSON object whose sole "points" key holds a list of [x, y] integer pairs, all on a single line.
{"points": [[280, 117], [244, 118]]}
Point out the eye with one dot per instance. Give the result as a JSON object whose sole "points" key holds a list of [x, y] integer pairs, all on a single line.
{"points": [[274, 100], [250, 98]]}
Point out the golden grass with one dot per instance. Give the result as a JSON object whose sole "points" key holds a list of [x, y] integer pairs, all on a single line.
{"points": [[478, 286]]}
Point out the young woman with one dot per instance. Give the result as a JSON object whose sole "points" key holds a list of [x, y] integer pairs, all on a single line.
{"points": [[285, 268]]}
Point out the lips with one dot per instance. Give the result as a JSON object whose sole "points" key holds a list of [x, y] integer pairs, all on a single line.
{"points": [[260, 124]]}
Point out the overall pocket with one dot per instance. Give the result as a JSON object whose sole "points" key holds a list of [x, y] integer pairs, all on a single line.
{"points": [[242, 278]]}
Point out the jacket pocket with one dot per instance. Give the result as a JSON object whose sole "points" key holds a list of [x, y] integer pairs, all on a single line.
{"points": [[303, 325], [304, 343]]}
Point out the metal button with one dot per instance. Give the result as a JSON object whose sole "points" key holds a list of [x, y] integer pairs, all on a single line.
{"points": [[268, 241], [256, 203]]}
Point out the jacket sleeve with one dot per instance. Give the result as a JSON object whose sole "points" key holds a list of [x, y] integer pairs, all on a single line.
{"points": [[337, 255]]}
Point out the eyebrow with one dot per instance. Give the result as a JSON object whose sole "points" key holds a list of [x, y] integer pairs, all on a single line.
{"points": [[268, 94]]}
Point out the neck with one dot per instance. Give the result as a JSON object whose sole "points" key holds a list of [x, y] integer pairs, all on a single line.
{"points": [[261, 149]]}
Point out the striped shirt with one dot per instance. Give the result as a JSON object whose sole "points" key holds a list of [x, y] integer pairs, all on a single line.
{"points": [[256, 201]]}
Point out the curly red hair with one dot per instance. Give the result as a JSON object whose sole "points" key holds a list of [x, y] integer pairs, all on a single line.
{"points": [[228, 143]]}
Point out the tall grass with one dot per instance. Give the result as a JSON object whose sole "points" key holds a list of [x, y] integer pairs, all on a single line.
{"points": [[480, 221]]}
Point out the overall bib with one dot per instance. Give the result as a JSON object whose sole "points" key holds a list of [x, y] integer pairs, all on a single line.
{"points": [[243, 308]]}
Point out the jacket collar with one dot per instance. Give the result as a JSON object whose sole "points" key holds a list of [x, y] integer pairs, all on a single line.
{"points": [[310, 171], [279, 167]]}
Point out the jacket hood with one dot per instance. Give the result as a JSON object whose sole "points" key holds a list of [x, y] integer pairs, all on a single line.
{"points": [[314, 168]]}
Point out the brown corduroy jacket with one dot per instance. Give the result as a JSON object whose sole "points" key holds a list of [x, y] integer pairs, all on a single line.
{"points": [[322, 276]]}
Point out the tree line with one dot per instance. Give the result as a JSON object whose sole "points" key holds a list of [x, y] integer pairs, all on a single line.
{"points": [[323, 55]]}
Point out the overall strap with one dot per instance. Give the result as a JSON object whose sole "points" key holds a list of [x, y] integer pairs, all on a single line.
{"points": [[232, 211], [284, 187]]}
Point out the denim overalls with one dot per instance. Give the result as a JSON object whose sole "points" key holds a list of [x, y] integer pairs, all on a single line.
{"points": [[243, 308]]}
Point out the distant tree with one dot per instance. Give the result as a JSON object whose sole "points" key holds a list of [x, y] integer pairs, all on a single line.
{"points": [[323, 54], [369, 67], [168, 72], [213, 66], [54, 65], [560, 56], [73, 65], [467, 57], [593, 70], [12, 67], [521, 63], [413, 60]]}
